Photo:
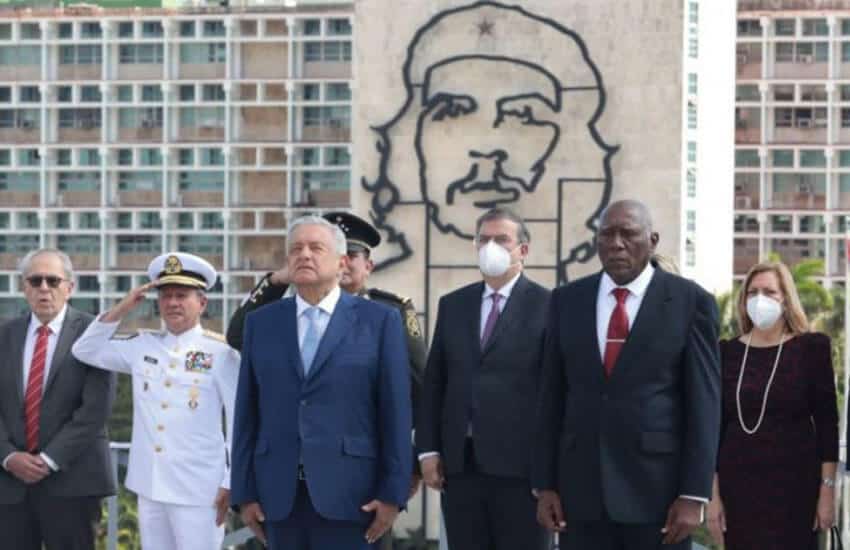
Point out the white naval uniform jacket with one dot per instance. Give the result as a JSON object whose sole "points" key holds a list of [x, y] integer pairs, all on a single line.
{"points": [[178, 452]]}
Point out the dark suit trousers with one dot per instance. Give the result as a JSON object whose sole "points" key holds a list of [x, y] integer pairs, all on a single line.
{"points": [[610, 535], [485, 512], [305, 529], [61, 523]]}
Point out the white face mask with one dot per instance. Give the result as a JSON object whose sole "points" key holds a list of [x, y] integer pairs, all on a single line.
{"points": [[493, 260], [763, 311]]}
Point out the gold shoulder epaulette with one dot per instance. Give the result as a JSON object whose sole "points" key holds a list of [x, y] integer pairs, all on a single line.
{"points": [[215, 335], [124, 335], [386, 295]]}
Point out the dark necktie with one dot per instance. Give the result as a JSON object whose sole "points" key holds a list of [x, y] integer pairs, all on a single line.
{"points": [[35, 387], [618, 330], [491, 319]]}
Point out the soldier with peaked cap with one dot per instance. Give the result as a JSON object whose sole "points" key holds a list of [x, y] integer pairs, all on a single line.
{"points": [[361, 238], [183, 377]]}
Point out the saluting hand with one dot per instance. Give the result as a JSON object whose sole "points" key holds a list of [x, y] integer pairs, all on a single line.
{"points": [[385, 515], [130, 302]]}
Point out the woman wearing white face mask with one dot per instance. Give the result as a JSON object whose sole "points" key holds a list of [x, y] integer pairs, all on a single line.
{"points": [[775, 481]]}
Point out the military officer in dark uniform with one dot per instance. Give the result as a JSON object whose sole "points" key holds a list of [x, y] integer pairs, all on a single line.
{"points": [[361, 238]]}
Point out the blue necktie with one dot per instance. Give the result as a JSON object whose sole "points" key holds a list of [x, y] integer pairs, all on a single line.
{"points": [[311, 338]]}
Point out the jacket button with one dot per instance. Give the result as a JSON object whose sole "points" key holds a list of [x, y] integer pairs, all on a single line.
{"points": [[158, 449], [168, 383], [165, 405], [303, 402], [160, 428]]}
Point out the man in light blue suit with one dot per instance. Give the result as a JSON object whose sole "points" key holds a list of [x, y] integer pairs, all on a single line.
{"points": [[321, 443]]}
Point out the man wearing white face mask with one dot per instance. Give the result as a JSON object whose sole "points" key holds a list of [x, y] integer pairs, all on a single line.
{"points": [[474, 429]]}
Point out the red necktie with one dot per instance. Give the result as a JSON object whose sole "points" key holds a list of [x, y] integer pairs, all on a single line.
{"points": [[35, 386], [618, 330]]}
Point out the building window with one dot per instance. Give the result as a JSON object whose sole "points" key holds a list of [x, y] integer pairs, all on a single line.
{"points": [[692, 151], [214, 28], [337, 156], [140, 53], [815, 27], [185, 220], [690, 253], [90, 30], [4, 220], [139, 181], [125, 29], [693, 13], [65, 30], [201, 181], [150, 157], [78, 181], [693, 47], [692, 83], [187, 29], [747, 158], [63, 157], [80, 55], [20, 55], [27, 220], [125, 157], [310, 92], [151, 29], [784, 27], [138, 244], [782, 158], [27, 182], [812, 158], [749, 27], [90, 94], [88, 283], [89, 220], [79, 244], [5, 157], [89, 157], [691, 221], [83, 119], [327, 51], [212, 220], [203, 53], [19, 244], [691, 181], [30, 94], [692, 115], [845, 118], [812, 224], [124, 93], [312, 27], [339, 27], [5, 31], [151, 93], [212, 92], [780, 224], [187, 92], [844, 158], [147, 117], [186, 157], [149, 220], [212, 157], [30, 31], [29, 157], [338, 92]]}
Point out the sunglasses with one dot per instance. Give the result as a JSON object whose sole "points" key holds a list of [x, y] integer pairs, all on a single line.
{"points": [[52, 281]]}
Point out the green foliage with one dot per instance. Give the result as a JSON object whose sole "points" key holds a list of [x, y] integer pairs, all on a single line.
{"points": [[121, 419], [128, 522]]}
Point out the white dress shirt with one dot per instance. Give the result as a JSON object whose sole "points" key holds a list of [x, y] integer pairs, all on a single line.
{"points": [[29, 349], [605, 304], [486, 306], [326, 307]]}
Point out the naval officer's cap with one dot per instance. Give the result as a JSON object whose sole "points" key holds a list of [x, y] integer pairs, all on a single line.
{"points": [[180, 268], [360, 235]]}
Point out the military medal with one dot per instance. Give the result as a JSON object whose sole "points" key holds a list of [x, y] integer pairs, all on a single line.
{"points": [[145, 387], [194, 392]]}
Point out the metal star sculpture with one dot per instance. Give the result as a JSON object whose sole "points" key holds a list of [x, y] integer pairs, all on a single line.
{"points": [[485, 27]]}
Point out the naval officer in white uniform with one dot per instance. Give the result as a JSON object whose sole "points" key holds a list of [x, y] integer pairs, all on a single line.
{"points": [[182, 379]]}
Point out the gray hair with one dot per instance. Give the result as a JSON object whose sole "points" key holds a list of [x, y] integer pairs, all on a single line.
{"points": [[502, 213], [639, 209], [26, 262], [310, 219]]}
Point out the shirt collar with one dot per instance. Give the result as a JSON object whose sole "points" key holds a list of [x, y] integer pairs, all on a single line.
{"points": [[55, 324], [327, 304], [197, 330], [505, 291], [636, 287]]}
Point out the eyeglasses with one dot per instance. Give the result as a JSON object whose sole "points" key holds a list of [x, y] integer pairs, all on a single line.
{"points": [[52, 281]]}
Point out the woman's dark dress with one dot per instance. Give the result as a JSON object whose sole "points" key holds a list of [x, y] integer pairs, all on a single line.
{"points": [[769, 481]]}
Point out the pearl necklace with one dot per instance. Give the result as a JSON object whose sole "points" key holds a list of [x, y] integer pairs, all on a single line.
{"points": [[766, 390]]}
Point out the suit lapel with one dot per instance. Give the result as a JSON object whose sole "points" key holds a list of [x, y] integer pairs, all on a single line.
{"points": [[649, 321], [289, 314], [510, 314], [342, 320], [17, 340], [67, 334], [588, 330]]}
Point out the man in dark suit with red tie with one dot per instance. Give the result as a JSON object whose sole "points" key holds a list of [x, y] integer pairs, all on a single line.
{"points": [[480, 392], [53, 412], [629, 414]]}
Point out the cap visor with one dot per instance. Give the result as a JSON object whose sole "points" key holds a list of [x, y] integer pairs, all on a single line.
{"points": [[181, 280]]}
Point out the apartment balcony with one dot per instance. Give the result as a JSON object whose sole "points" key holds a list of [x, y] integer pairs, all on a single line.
{"points": [[259, 254], [262, 124], [14, 73], [748, 61], [140, 135], [328, 198], [138, 198], [139, 71], [790, 200], [20, 135], [327, 69], [79, 72], [842, 201], [801, 70], [333, 133], [19, 198], [200, 198], [255, 59], [794, 251], [78, 198], [135, 262], [85, 262], [252, 221], [747, 135], [79, 135], [261, 189], [799, 135], [200, 133], [205, 71]]}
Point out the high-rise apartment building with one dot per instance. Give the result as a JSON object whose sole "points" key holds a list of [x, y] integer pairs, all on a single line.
{"points": [[128, 133], [792, 133]]}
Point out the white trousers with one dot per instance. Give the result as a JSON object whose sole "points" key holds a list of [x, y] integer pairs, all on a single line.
{"points": [[164, 526]]}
